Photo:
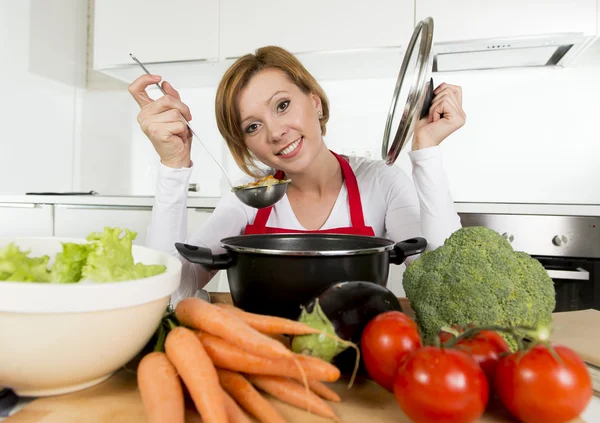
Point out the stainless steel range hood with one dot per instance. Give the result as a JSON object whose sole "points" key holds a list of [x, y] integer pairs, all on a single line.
{"points": [[545, 50]]}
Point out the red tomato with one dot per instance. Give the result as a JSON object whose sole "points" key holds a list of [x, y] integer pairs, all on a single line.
{"points": [[537, 388], [386, 339], [441, 385], [446, 336], [486, 348]]}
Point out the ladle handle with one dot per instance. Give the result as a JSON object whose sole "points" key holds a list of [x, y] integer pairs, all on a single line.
{"points": [[208, 151], [187, 123]]}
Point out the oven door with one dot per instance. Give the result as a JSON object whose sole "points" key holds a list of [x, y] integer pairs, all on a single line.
{"points": [[573, 282]]}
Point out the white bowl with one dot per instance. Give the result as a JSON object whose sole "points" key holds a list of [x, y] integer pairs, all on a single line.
{"points": [[59, 338]]}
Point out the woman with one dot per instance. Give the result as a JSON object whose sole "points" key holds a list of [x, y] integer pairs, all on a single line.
{"points": [[270, 108]]}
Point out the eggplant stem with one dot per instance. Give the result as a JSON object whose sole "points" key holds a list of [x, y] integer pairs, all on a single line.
{"points": [[349, 344]]}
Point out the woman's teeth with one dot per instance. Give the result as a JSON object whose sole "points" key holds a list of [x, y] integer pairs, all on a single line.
{"points": [[289, 149]]}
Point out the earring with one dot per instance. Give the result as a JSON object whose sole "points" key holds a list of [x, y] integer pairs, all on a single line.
{"points": [[320, 114]]}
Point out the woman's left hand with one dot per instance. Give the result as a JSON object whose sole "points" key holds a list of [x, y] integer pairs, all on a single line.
{"points": [[445, 116]]}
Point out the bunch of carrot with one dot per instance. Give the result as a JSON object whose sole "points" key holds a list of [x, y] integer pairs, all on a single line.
{"points": [[226, 359]]}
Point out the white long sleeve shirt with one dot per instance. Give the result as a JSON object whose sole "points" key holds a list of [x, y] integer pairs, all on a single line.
{"points": [[393, 205]]}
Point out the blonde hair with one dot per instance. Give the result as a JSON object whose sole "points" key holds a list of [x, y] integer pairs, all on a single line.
{"points": [[238, 76]]}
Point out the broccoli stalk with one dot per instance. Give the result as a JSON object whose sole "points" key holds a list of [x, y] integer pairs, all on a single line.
{"points": [[477, 278]]}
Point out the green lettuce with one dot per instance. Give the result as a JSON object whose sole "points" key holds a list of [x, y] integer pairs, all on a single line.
{"points": [[107, 257], [16, 265], [112, 258], [68, 264]]}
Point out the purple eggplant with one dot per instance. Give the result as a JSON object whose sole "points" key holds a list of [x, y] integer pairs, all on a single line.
{"points": [[343, 309]]}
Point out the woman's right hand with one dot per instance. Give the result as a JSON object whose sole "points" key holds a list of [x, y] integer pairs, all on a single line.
{"points": [[163, 121]]}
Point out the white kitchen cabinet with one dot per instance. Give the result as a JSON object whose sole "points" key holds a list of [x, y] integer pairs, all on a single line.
{"points": [[314, 25], [475, 19], [154, 31], [197, 216], [26, 219], [81, 220]]}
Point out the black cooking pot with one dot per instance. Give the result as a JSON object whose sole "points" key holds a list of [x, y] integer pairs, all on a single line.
{"points": [[276, 274]]}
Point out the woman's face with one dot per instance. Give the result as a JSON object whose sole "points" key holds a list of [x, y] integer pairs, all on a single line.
{"points": [[280, 123]]}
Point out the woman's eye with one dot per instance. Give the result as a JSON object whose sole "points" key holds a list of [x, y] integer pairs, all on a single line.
{"points": [[251, 128], [283, 105]]}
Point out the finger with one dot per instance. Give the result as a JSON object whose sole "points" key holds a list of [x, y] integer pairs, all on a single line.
{"points": [[437, 100], [454, 89], [174, 93], [449, 112], [167, 130], [170, 90], [165, 103], [171, 115], [445, 96], [138, 89], [443, 106], [180, 105]]}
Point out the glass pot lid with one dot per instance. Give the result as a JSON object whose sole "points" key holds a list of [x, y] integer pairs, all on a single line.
{"points": [[413, 92]]}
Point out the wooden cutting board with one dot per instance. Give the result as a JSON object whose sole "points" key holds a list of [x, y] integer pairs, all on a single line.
{"points": [[580, 331], [117, 400]]}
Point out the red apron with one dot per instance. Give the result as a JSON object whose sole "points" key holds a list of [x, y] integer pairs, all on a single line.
{"points": [[356, 211]]}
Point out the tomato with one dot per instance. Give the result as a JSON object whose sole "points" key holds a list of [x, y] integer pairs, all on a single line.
{"points": [[485, 347], [537, 388], [385, 340], [446, 336], [441, 385]]}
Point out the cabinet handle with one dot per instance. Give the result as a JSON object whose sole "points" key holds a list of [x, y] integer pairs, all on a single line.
{"points": [[104, 207], [20, 205]]}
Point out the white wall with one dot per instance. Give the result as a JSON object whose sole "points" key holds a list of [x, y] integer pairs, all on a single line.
{"points": [[531, 134], [42, 56]]}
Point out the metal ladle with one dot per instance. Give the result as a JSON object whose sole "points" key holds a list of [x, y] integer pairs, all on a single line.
{"points": [[257, 196]]}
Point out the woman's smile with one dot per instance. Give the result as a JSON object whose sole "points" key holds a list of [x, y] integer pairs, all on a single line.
{"points": [[291, 150]]}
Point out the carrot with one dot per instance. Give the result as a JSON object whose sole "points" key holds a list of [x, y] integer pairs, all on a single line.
{"points": [[273, 325], [197, 371], [199, 314], [248, 397], [323, 390], [234, 412], [285, 340], [227, 356], [292, 393], [160, 389]]}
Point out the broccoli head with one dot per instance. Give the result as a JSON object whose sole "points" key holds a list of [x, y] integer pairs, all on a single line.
{"points": [[476, 277]]}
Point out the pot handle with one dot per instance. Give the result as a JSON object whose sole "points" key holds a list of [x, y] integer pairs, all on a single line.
{"points": [[204, 256], [409, 247]]}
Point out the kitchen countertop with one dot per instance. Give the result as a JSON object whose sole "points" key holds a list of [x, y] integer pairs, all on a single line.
{"points": [[118, 400], [521, 208], [102, 200], [211, 202]]}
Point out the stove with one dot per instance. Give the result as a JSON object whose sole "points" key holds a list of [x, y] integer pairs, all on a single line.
{"points": [[567, 246]]}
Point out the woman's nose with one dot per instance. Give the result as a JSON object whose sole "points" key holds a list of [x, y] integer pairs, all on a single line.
{"points": [[277, 132]]}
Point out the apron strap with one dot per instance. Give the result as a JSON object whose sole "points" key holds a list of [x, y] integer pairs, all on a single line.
{"points": [[356, 211]]}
